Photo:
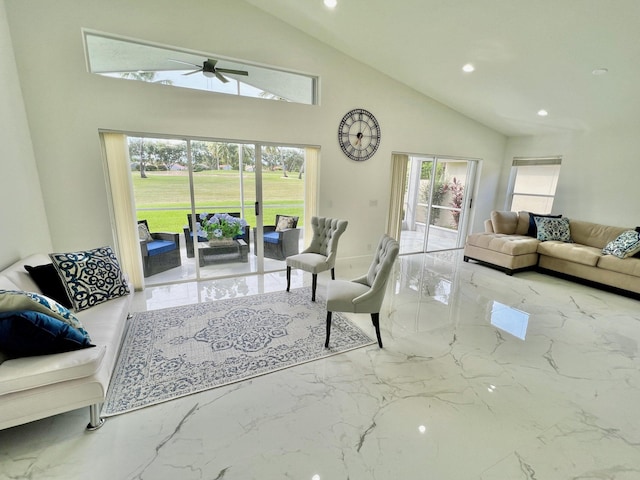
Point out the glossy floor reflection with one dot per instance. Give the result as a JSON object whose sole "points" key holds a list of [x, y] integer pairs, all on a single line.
{"points": [[483, 376]]}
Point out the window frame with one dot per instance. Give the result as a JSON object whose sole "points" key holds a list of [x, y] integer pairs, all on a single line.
{"points": [[517, 162]]}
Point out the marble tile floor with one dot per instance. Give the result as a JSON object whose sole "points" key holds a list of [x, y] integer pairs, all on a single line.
{"points": [[483, 376]]}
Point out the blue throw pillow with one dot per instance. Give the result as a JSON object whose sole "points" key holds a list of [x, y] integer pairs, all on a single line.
{"points": [[17, 300], [27, 333]]}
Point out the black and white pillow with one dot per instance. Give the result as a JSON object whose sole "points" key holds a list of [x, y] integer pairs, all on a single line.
{"points": [[90, 277], [549, 228], [627, 244]]}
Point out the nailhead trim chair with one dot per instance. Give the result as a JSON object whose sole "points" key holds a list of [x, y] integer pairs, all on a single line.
{"points": [[320, 255], [364, 294]]}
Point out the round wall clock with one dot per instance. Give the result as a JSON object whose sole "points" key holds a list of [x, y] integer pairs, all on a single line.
{"points": [[359, 135]]}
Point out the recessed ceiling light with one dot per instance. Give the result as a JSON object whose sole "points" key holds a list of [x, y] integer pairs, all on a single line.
{"points": [[468, 68], [600, 71], [330, 3], [542, 113]]}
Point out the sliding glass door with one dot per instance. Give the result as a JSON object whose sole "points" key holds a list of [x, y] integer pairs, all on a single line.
{"points": [[177, 181], [436, 203]]}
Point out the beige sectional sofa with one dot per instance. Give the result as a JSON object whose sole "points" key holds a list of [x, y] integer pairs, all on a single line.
{"points": [[36, 387], [507, 244]]}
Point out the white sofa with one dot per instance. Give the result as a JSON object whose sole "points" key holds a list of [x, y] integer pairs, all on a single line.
{"points": [[37, 387]]}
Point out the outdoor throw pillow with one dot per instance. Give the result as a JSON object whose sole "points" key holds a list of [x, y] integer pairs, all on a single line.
{"points": [[26, 333], [626, 245], [143, 233], [15, 300], [48, 281], [553, 229], [90, 277], [285, 223]]}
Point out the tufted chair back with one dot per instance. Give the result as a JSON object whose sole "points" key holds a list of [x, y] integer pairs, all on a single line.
{"points": [[326, 233], [380, 268]]}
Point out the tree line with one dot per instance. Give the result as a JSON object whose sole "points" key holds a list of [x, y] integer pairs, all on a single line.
{"points": [[156, 154]]}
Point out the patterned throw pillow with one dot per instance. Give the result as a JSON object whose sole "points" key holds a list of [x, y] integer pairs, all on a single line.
{"points": [[553, 229], [626, 245], [90, 277], [285, 223], [14, 301]]}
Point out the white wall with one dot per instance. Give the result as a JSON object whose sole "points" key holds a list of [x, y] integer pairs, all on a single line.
{"points": [[66, 107], [23, 224], [599, 176]]}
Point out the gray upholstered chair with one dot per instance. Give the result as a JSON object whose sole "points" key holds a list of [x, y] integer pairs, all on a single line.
{"points": [[160, 251], [320, 255], [364, 294]]}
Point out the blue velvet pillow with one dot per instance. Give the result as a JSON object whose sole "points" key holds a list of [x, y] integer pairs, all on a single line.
{"points": [[27, 333]]}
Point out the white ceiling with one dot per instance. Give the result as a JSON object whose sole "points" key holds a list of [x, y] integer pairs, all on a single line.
{"points": [[529, 55]]}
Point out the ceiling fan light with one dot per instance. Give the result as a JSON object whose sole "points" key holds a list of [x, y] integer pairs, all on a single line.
{"points": [[208, 74]]}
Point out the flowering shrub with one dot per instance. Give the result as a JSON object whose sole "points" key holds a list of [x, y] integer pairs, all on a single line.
{"points": [[221, 225]]}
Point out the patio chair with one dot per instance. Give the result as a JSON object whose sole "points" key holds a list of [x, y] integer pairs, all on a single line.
{"points": [[160, 250], [282, 239]]}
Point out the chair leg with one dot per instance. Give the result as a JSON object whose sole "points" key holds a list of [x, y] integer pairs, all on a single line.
{"points": [[326, 342], [314, 284], [333, 274], [288, 278], [375, 318]]}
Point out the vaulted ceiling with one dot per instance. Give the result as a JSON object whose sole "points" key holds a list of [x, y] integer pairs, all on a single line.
{"points": [[528, 55]]}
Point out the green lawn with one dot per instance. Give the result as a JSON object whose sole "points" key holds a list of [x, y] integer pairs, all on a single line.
{"points": [[214, 191]]}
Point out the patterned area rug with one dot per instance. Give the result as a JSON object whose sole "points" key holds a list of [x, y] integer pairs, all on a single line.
{"points": [[179, 351]]}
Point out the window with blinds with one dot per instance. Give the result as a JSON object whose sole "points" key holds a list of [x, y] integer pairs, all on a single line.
{"points": [[533, 183]]}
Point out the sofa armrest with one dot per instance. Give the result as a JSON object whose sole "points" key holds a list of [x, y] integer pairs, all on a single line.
{"points": [[488, 226]]}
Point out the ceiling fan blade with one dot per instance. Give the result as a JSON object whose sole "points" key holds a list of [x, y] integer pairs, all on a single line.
{"points": [[191, 73], [220, 77], [186, 63], [233, 72]]}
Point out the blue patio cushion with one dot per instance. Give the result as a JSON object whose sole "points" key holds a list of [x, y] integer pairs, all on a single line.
{"points": [[160, 246], [272, 237]]}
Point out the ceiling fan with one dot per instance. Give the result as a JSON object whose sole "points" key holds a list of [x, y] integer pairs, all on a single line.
{"points": [[209, 69]]}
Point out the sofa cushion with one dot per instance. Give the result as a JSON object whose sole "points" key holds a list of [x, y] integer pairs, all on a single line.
{"points": [[629, 266], [504, 222], [48, 281], [553, 229], [143, 233], [627, 244], [91, 277], [507, 244], [571, 252], [594, 234], [523, 223], [24, 373], [26, 333], [533, 228], [13, 300]]}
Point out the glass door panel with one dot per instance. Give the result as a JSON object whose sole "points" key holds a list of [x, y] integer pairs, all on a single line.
{"points": [[435, 204], [161, 191], [223, 181], [283, 196]]}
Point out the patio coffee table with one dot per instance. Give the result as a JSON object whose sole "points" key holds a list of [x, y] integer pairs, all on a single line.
{"points": [[233, 251]]}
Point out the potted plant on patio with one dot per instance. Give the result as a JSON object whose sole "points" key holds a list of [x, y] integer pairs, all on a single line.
{"points": [[221, 227]]}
